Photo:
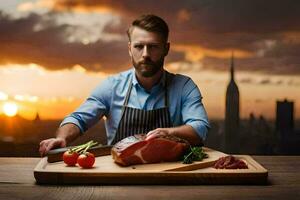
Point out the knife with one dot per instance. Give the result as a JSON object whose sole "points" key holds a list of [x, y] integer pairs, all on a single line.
{"points": [[55, 155]]}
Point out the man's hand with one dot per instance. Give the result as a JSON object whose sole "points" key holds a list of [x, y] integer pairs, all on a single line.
{"points": [[51, 143], [185, 132], [158, 132], [64, 134]]}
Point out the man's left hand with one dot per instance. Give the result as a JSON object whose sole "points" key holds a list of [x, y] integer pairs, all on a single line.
{"points": [[186, 132], [158, 132]]}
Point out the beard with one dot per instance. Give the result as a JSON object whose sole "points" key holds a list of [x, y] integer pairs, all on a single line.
{"points": [[148, 68]]}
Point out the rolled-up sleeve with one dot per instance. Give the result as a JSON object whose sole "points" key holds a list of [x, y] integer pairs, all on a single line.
{"points": [[193, 111], [93, 109]]}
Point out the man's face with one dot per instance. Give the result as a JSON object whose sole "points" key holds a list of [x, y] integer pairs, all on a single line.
{"points": [[147, 51]]}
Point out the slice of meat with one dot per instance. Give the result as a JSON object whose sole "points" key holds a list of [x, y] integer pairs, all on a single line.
{"points": [[230, 162], [136, 150]]}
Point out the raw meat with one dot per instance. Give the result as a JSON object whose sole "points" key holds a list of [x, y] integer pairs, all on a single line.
{"points": [[136, 150], [230, 162]]}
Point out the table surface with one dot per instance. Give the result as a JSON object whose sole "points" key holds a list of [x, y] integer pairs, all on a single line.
{"points": [[17, 182]]}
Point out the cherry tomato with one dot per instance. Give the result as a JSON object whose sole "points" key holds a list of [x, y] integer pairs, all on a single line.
{"points": [[70, 158], [86, 160]]}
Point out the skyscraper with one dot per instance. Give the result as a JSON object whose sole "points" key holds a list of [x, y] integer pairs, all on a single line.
{"points": [[232, 117], [285, 117]]}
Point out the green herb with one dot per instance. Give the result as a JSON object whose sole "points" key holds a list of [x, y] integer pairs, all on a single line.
{"points": [[83, 147], [194, 154]]}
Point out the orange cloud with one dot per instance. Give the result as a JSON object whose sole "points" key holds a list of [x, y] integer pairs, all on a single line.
{"points": [[195, 53]]}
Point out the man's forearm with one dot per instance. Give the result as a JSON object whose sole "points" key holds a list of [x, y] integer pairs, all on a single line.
{"points": [[188, 133], [68, 132]]}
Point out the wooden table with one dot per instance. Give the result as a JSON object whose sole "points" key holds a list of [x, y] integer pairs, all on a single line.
{"points": [[17, 182]]}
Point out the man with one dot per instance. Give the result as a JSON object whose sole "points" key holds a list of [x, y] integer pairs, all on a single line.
{"points": [[145, 99]]}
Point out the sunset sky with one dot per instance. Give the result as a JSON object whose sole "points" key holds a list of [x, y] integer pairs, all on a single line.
{"points": [[54, 52]]}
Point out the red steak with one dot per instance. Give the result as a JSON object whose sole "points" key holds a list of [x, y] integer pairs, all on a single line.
{"points": [[230, 162], [136, 150]]}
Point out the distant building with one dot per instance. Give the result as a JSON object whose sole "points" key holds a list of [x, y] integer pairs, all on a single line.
{"points": [[232, 117], [37, 117], [285, 117], [289, 139]]}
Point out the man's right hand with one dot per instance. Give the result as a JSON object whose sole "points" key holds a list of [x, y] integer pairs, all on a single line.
{"points": [[51, 143], [64, 134]]}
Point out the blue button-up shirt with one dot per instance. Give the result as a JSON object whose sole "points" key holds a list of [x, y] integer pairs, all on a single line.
{"points": [[107, 99]]}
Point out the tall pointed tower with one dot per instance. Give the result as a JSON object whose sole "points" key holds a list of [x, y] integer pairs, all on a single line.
{"points": [[232, 117], [37, 117]]}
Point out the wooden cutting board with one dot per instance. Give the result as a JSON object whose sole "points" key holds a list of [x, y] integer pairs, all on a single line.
{"points": [[105, 171]]}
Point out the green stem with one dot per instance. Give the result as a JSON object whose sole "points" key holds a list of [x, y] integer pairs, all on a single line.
{"points": [[84, 147]]}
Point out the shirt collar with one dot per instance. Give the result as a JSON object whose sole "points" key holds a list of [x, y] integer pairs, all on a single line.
{"points": [[162, 81]]}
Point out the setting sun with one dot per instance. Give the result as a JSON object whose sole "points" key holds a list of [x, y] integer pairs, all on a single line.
{"points": [[10, 109]]}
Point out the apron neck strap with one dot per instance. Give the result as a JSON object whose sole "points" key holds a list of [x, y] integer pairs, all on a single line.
{"points": [[165, 88], [128, 93]]}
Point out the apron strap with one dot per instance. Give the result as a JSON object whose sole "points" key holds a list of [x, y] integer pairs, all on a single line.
{"points": [[126, 99], [128, 93], [166, 90]]}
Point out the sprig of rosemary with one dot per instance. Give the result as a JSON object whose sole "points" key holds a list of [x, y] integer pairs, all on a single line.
{"points": [[194, 154]]}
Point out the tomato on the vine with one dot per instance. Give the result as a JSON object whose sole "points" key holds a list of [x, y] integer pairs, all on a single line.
{"points": [[70, 158], [86, 160]]}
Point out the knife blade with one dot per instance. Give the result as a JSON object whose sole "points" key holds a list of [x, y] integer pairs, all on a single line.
{"points": [[55, 155]]}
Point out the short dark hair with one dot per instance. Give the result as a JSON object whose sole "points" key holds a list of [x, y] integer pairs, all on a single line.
{"points": [[151, 23]]}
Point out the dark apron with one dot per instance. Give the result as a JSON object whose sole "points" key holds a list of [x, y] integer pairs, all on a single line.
{"points": [[135, 121]]}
